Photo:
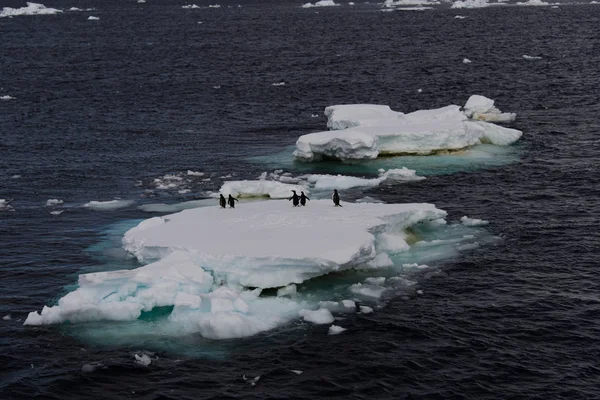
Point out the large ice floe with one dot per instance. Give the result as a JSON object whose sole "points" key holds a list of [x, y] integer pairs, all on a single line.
{"points": [[210, 265], [30, 9], [364, 131]]}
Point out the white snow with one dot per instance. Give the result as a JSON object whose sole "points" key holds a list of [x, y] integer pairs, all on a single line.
{"points": [[212, 263], [260, 188], [335, 330], [92, 18], [362, 132], [320, 316], [473, 221], [30, 9], [533, 3], [525, 56], [53, 202], [322, 3], [6, 97], [108, 205], [143, 360]]}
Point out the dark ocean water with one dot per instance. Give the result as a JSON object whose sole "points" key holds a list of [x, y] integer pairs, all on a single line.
{"points": [[102, 108]]}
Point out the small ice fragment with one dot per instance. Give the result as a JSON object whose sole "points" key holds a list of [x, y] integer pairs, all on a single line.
{"points": [[278, 84], [335, 330], [252, 381], [53, 202], [366, 310], [143, 360], [420, 90], [92, 18], [296, 371], [419, 291], [314, 115], [7, 317], [473, 221], [467, 61], [320, 316], [58, 212], [7, 97]]}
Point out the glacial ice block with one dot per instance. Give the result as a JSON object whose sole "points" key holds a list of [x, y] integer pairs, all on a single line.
{"points": [[272, 244], [365, 131]]}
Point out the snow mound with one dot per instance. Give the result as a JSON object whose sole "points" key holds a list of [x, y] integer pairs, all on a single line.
{"points": [[363, 132], [30, 9]]}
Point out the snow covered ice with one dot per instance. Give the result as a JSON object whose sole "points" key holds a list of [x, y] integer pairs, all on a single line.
{"points": [[30, 9], [322, 3], [366, 131], [210, 265]]}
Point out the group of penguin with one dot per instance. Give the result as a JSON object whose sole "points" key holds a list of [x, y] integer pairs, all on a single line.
{"points": [[296, 200]]}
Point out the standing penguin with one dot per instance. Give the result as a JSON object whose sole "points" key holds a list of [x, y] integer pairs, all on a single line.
{"points": [[222, 201], [303, 198], [295, 198], [231, 200], [336, 198]]}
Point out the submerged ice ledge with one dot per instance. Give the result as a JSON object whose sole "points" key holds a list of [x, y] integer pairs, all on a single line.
{"points": [[365, 131], [210, 265]]}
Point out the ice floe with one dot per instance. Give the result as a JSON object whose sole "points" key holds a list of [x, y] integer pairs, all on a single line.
{"points": [[322, 3], [466, 61], [260, 188], [525, 56], [4, 206], [473, 221], [53, 202], [108, 205], [320, 316], [30, 9], [537, 3], [362, 132], [92, 18], [6, 97], [335, 330]]}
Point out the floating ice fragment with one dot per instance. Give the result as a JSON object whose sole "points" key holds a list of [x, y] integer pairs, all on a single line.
{"points": [[370, 291], [260, 188], [4, 206], [188, 6], [335, 330], [525, 56], [466, 61], [194, 173], [322, 3], [58, 212], [375, 280], [30, 9], [470, 4], [420, 90], [296, 371], [314, 115], [92, 18], [278, 84], [473, 221], [143, 360], [459, 17], [108, 205], [533, 3], [320, 316], [480, 108], [251, 382], [344, 306], [15, 177], [141, 1], [366, 310], [53, 202], [214, 6], [419, 292], [7, 317], [7, 97]]}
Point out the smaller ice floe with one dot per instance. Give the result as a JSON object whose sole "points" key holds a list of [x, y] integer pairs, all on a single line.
{"points": [[30, 9], [459, 17], [342, 182], [366, 310], [404, 3], [141, 1], [58, 212], [260, 188], [214, 6], [4, 206], [187, 6], [6, 97], [368, 291], [278, 84], [344, 306], [184, 191], [92, 18], [525, 56], [473, 221], [296, 371], [7, 317], [481, 108], [194, 173], [420, 292], [470, 4], [108, 205], [322, 3], [143, 360], [217, 87], [466, 61], [537, 3], [335, 330], [320, 316], [53, 202]]}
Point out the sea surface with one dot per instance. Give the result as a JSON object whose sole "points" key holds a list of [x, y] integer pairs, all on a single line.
{"points": [[102, 108]]}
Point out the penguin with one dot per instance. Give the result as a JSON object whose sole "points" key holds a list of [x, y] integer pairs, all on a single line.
{"points": [[295, 198], [222, 201], [231, 200], [336, 198], [303, 198]]}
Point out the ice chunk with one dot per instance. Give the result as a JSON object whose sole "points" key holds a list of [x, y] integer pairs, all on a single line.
{"points": [[320, 316], [335, 330], [260, 188], [56, 212], [419, 132], [108, 205], [53, 202], [533, 3], [257, 244], [296, 371], [366, 310], [482, 109], [369, 291], [322, 3], [4, 206], [6, 97], [473, 221], [525, 56], [466, 61], [342, 182], [470, 4], [30, 9], [6, 317], [92, 18], [143, 360], [380, 280], [194, 173]]}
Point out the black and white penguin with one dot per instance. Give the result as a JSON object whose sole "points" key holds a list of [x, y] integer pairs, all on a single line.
{"points": [[303, 198], [295, 198], [336, 198], [222, 201], [231, 200]]}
